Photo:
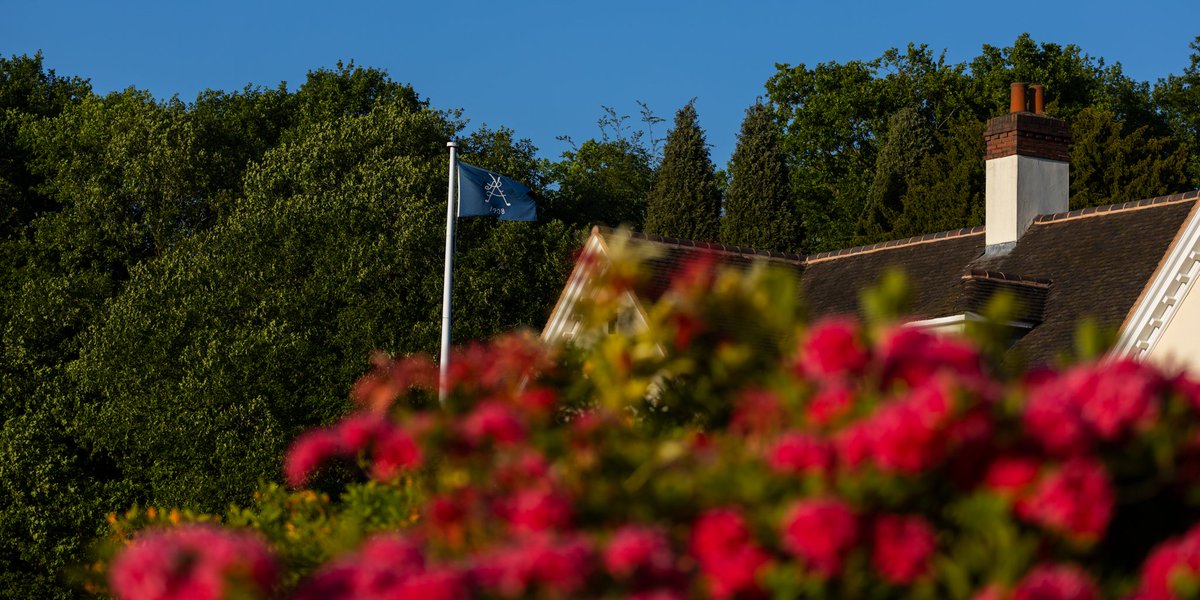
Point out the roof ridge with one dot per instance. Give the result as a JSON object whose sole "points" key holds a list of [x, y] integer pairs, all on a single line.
{"points": [[985, 274], [710, 246], [1122, 206], [920, 239]]}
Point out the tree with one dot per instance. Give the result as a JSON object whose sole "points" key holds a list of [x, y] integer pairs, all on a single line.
{"points": [[907, 142], [1178, 96], [1113, 162], [946, 191], [759, 211], [685, 201]]}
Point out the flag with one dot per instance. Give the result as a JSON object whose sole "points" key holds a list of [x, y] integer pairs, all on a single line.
{"points": [[482, 193]]}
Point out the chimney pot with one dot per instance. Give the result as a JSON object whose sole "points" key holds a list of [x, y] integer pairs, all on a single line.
{"points": [[1039, 98], [1016, 102]]}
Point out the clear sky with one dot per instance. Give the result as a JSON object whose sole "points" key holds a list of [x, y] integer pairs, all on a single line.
{"points": [[544, 68]]}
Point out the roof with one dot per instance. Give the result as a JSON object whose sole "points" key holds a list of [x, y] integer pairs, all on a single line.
{"points": [[1092, 262]]}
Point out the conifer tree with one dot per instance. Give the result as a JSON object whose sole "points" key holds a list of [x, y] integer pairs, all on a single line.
{"points": [[759, 211], [685, 201]]}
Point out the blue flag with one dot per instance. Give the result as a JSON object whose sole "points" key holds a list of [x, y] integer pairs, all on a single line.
{"points": [[482, 193]]}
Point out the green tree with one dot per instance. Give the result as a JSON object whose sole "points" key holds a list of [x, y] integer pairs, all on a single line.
{"points": [[1178, 97], [946, 192], [685, 201], [907, 142], [1112, 162], [759, 212]]}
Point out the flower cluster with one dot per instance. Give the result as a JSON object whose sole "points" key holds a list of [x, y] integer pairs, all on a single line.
{"points": [[864, 460], [193, 562]]}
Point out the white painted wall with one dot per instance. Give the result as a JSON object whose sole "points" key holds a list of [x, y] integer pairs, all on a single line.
{"points": [[1178, 345], [1018, 189]]}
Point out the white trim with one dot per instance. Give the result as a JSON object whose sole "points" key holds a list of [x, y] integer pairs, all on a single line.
{"points": [[559, 319], [1165, 293], [961, 319]]}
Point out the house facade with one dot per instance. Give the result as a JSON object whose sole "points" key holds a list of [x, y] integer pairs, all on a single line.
{"points": [[1129, 267]]}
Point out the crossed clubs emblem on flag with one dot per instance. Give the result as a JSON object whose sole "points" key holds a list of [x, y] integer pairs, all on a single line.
{"points": [[495, 188]]}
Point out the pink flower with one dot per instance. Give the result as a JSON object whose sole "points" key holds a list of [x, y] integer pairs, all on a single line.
{"points": [[902, 548], [800, 453], [561, 567], [394, 451], [1053, 420], [495, 422], [757, 412], [854, 445], [638, 549], [822, 532], [1093, 402], [193, 562], [1117, 398], [443, 583], [832, 350], [1175, 561], [1012, 476], [355, 433], [915, 356], [538, 509], [1056, 582], [909, 434], [308, 453], [1075, 500], [829, 404], [728, 557], [537, 400]]}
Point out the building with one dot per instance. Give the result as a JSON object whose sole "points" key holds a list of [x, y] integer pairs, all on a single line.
{"points": [[1129, 266]]}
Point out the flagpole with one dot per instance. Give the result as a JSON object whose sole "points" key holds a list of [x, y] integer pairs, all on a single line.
{"points": [[448, 279]]}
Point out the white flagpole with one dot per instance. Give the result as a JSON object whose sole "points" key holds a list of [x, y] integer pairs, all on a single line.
{"points": [[448, 278]]}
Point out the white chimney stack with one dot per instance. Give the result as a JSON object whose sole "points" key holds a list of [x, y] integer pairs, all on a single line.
{"points": [[1027, 167]]}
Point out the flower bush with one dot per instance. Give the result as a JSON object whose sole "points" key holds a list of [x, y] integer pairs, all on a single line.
{"points": [[724, 450]]}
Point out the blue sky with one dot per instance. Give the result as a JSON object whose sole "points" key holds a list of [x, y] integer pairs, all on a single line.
{"points": [[544, 68]]}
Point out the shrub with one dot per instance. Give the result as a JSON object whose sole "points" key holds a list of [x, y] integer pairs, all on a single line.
{"points": [[710, 457]]}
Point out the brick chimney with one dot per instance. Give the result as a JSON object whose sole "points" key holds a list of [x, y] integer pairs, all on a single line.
{"points": [[1027, 166]]}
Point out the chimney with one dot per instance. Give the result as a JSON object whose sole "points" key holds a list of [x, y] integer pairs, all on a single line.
{"points": [[1026, 166]]}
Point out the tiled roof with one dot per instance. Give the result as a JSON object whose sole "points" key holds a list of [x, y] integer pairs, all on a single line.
{"points": [[1091, 262]]}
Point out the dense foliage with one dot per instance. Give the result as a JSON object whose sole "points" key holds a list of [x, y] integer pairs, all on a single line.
{"points": [[759, 212], [691, 459], [685, 201], [892, 147], [187, 285]]}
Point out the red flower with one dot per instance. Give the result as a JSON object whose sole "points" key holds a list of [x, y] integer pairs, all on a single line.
{"points": [[561, 567], [1093, 402], [192, 562], [1056, 582], [800, 453], [1076, 500], [915, 356], [1012, 476], [820, 531], [1175, 561], [908, 435], [1054, 422], [394, 451], [1116, 398], [638, 550], [537, 400], [832, 350], [757, 412], [308, 453], [729, 559], [495, 422], [854, 445], [538, 509], [902, 547], [829, 404]]}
